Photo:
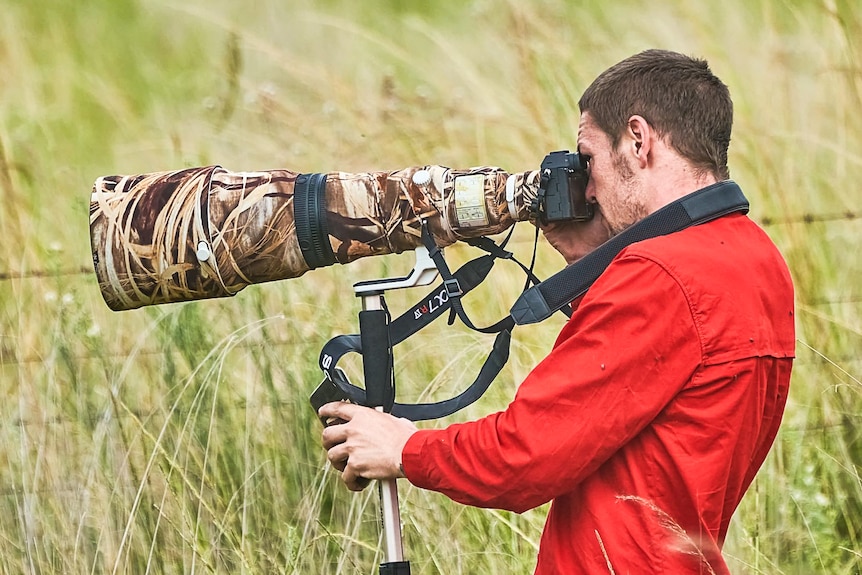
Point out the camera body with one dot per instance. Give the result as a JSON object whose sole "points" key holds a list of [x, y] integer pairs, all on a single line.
{"points": [[562, 191]]}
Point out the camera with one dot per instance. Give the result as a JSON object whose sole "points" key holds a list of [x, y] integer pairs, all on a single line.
{"points": [[562, 189], [208, 232]]}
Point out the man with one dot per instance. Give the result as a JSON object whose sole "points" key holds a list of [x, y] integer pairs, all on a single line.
{"points": [[663, 393]]}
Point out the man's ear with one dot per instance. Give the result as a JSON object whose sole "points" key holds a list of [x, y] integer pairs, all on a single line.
{"points": [[640, 138]]}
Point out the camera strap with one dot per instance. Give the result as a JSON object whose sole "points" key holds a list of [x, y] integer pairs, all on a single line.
{"points": [[539, 302], [454, 290], [431, 307], [536, 304]]}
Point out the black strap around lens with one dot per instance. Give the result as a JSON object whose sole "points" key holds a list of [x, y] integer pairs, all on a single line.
{"points": [[309, 214]]}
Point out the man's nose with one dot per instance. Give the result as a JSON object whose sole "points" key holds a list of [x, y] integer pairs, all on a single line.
{"points": [[590, 192]]}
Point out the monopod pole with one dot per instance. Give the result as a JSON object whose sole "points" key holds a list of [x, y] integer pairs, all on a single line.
{"points": [[377, 365], [380, 388]]}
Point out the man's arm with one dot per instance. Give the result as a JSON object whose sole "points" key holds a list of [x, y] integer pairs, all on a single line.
{"points": [[572, 239], [629, 349]]}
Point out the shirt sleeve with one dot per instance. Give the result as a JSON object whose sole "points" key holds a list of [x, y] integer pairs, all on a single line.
{"points": [[630, 347]]}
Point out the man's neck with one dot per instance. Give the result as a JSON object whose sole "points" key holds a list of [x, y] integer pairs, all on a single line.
{"points": [[674, 182]]}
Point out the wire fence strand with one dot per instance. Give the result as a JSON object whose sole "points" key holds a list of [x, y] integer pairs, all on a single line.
{"points": [[30, 274], [805, 219]]}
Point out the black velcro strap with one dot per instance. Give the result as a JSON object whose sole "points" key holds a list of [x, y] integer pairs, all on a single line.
{"points": [[541, 301], [309, 213], [536, 304], [377, 358]]}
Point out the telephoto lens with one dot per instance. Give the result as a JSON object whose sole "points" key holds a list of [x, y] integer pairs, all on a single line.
{"points": [[208, 232]]}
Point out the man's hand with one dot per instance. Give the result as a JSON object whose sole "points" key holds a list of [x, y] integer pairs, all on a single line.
{"points": [[576, 239], [367, 445]]}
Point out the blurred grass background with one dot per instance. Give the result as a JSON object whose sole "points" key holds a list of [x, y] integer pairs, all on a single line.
{"points": [[178, 439]]}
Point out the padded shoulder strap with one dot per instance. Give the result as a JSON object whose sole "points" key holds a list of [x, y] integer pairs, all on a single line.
{"points": [[541, 301]]}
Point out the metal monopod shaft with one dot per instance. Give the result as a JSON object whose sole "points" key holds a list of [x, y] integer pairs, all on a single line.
{"points": [[380, 393]]}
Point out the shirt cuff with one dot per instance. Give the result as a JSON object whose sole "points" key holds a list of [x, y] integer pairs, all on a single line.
{"points": [[413, 465]]}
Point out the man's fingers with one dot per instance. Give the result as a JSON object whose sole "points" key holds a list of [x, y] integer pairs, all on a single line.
{"points": [[340, 410], [367, 445], [334, 435], [337, 456], [353, 480], [340, 413]]}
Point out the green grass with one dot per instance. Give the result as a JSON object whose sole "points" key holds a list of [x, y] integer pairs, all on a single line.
{"points": [[178, 439]]}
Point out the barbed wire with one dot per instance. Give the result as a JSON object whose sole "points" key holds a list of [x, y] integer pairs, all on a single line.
{"points": [[30, 274], [805, 219], [6, 358], [91, 418], [812, 302], [823, 301], [848, 216]]}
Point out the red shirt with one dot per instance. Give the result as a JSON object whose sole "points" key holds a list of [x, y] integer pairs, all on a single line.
{"points": [[649, 419]]}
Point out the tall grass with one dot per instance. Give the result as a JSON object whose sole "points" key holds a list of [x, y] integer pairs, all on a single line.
{"points": [[178, 439]]}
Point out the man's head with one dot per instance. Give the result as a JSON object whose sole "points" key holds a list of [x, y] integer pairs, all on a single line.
{"points": [[655, 125], [677, 95]]}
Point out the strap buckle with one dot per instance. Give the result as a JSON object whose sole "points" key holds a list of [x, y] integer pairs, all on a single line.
{"points": [[453, 287]]}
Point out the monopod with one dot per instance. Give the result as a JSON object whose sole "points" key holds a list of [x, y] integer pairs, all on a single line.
{"points": [[377, 366]]}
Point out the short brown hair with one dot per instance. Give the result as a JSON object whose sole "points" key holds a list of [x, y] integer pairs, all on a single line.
{"points": [[678, 95]]}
